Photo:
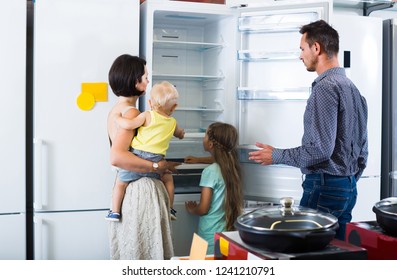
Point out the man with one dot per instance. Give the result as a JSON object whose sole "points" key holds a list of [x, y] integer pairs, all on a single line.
{"points": [[334, 149]]}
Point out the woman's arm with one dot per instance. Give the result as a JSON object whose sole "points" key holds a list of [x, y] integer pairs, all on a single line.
{"points": [[121, 157], [204, 205]]}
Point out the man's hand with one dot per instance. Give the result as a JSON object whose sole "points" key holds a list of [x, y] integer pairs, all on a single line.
{"points": [[262, 156]]}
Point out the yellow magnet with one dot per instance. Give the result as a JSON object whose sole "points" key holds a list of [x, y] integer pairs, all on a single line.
{"points": [[98, 90], [85, 101]]}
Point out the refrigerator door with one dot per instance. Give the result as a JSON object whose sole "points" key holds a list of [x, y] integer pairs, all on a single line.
{"points": [[12, 123], [366, 73], [185, 225], [76, 42], [71, 236], [13, 237], [273, 90], [12, 106]]}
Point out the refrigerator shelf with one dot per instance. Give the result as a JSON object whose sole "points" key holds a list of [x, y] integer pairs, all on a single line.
{"points": [[270, 23], [199, 109], [185, 45], [186, 77], [300, 93], [194, 134], [255, 55]]}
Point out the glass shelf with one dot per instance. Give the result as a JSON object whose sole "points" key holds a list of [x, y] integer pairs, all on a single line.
{"points": [[300, 93], [276, 22], [199, 109], [195, 46], [254, 55], [187, 77]]}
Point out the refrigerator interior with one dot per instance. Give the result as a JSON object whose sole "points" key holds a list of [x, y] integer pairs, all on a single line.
{"points": [[366, 73], [260, 91], [12, 123], [192, 51], [73, 180], [272, 93]]}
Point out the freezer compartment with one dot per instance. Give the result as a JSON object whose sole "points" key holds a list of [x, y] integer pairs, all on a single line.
{"points": [[71, 236], [12, 237], [187, 182], [185, 225], [187, 178]]}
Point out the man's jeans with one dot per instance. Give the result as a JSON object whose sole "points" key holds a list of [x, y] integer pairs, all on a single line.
{"points": [[335, 195]]}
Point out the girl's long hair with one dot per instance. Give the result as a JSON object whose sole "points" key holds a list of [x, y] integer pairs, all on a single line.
{"points": [[225, 140]]}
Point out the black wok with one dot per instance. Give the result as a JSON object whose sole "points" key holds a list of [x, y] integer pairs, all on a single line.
{"points": [[287, 228]]}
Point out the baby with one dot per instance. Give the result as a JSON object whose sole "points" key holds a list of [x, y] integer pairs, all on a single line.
{"points": [[155, 130]]}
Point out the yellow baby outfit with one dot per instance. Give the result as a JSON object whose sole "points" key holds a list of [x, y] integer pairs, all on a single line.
{"points": [[155, 137]]}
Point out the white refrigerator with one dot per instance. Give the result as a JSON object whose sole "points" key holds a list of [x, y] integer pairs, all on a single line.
{"points": [[75, 43], [240, 64], [13, 129]]}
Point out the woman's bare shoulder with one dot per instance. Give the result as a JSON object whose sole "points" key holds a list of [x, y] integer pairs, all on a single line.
{"points": [[122, 109]]}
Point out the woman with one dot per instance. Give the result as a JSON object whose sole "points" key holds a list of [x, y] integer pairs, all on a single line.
{"points": [[144, 232]]}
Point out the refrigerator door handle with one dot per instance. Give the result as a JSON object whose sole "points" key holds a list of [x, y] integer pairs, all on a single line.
{"points": [[38, 174], [38, 249]]}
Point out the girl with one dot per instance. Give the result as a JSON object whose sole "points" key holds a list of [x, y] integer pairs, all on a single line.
{"points": [[221, 200]]}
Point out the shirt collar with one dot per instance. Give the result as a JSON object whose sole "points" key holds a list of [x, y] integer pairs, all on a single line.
{"points": [[331, 71]]}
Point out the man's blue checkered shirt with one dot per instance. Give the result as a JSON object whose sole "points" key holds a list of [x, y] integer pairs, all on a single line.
{"points": [[335, 137]]}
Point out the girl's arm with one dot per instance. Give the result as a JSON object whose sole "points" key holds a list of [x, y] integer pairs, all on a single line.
{"points": [[204, 205], [131, 124], [192, 159]]}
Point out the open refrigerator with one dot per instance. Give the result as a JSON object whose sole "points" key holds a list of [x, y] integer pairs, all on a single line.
{"points": [[240, 64]]}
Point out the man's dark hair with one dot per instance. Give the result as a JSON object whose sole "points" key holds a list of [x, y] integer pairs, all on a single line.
{"points": [[322, 33]]}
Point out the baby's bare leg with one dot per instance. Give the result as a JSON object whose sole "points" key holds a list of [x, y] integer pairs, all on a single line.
{"points": [[118, 195]]}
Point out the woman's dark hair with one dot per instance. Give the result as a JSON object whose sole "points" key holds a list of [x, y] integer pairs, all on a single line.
{"points": [[125, 72], [321, 32]]}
